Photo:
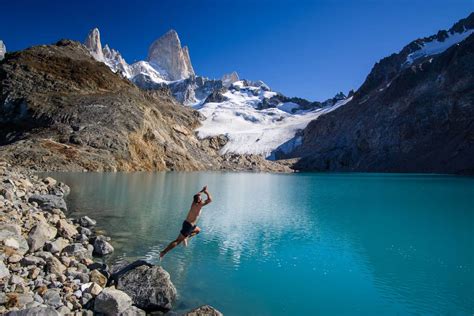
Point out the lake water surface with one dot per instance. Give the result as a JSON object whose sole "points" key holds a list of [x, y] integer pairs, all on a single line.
{"points": [[308, 244]]}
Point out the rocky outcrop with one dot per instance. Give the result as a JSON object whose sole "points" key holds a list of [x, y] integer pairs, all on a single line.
{"points": [[229, 79], [167, 53], [3, 50], [406, 117], [149, 286]]}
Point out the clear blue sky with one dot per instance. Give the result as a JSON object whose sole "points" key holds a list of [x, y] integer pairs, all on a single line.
{"points": [[310, 49]]}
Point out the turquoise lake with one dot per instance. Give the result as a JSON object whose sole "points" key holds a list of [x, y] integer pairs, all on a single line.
{"points": [[305, 244]]}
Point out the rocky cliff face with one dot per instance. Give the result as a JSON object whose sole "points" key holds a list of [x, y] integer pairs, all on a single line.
{"points": [[410, 115], [3, 50], [62, 110], [167, 53]]}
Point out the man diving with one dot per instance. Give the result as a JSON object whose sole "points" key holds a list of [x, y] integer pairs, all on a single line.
{"points": [[189, 228]]}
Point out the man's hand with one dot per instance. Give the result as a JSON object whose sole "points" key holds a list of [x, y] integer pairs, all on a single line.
{"points": [[204, 189]]}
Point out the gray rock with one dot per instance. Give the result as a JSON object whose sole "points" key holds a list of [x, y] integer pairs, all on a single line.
{"points": [[85, 231], [66, 229], [112, 302], [205, 310], [57, 245], [48, 202], [11, 234], [63, 310], [86, 221], [52, 298], [133, 311], [39, 235], [149, 287], [35, 311], [38, 299], [77, 250], [102, 247], [86, 298], [55, 266], [4, 272]]}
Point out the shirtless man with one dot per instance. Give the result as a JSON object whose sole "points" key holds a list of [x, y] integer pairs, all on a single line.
{"points": [[189, 228]]}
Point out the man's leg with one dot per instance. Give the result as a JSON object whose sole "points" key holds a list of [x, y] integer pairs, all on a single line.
{"points": [[172, 244], [194, 232]]}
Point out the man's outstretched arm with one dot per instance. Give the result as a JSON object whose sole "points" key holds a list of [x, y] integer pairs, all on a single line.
{"points": [[209, 197]]}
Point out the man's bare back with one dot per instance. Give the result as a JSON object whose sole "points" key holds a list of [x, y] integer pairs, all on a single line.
{"points": [[189, 228]]}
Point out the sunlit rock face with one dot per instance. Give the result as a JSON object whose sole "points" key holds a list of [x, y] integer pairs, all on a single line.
{"points": [[167, 53], [3, 50], [94, 45]]}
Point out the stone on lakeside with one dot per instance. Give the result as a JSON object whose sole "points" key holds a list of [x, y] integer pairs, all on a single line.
{"points": [[39, 235], [205, 310], [48, 202], [77, 250], [102, 247], [86, 221], [57, 245], [97, 277], [149, 287], [66, 229], [49, 181], [112, 302]]}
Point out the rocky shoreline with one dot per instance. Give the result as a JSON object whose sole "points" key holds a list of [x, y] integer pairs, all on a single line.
{"points": [[47, 264]]}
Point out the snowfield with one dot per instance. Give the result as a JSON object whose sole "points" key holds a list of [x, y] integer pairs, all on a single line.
{"points": [[253, 131], [437, 47]]}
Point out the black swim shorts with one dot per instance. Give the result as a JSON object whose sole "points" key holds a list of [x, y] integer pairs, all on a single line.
{"points": [[187, 228]]}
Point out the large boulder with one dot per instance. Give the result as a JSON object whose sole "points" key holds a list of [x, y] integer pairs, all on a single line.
{"points": [[102, 247], [40, 234], [149, 287], [112, 302], [205, 310], [48, 202]]}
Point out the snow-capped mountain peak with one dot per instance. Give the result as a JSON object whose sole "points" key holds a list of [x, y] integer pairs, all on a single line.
{"points": [[167, 60]]}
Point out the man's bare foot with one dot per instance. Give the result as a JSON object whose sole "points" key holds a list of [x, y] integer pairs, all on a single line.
{"points": [[185, 242], [162, 254]]}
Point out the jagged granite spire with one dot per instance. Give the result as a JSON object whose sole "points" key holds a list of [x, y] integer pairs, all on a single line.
{"points": [[3, 50], [167, 53], [94, 45]]}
